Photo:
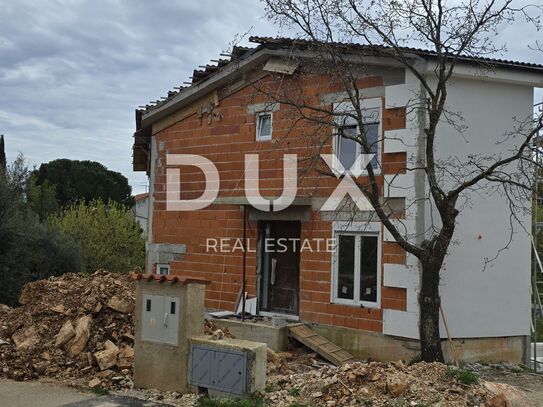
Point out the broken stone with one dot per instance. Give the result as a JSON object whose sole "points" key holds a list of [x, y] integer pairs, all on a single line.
{"points": [[512, 396], [26, 338], [59, 309], [107, 358], [218, 334], [127, 352], [105, 373], [120, 305], [66, 333], [95, 383], [108, 345], [397, 388], [40, 367], [82, 334]]}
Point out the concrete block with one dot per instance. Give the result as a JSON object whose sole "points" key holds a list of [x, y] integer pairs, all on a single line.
{"points": [[255, 356], [275, 337]]}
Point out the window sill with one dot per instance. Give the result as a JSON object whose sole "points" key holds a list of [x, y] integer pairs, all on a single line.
{"points": [[357, 304]]}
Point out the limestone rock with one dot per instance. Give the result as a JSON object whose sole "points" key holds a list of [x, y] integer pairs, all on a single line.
{"points": [[66, 333], [218, 334], [95, 383], [397, 388], [82, 334], [108, 357], [512, 396], [59, 309], [120, 305], [26, 338]]}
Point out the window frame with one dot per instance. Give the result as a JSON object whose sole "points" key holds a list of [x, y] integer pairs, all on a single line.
{"points": [[346, 121], [160, 265], [357, 275], [258, 137]]}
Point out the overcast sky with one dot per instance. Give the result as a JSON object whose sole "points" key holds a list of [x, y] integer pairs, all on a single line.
{"points": [[72, 72]]}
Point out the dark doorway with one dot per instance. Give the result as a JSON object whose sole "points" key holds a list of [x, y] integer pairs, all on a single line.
{"points": [[279, 247]]}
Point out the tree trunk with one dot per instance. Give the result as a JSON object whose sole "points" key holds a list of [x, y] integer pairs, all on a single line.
{"points": [[429, 302]]}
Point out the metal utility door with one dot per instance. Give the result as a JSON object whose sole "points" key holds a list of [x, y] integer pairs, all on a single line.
{"points": [[280, 266]]}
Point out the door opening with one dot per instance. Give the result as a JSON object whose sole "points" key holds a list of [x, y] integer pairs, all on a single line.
{"points": [[279, 248]]}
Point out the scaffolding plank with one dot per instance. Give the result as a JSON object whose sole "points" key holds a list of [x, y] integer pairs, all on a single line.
{"points": [[320, 345]]}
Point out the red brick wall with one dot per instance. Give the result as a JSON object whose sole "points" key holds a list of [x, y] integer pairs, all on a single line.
{"points": [[225, 142]]}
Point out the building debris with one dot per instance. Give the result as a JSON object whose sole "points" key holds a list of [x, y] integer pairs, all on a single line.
{"points": [[68, 331], [78, 329]]}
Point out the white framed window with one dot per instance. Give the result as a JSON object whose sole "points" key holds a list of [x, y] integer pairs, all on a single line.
{"points": [[357, 269], [347, 149], [163, 269], [264, 126]]}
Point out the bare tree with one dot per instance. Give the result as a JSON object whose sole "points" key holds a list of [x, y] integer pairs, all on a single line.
{"points": [[452, 31]]}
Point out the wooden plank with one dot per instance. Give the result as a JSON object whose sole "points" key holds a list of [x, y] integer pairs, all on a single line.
{"points": [[320, 345]]}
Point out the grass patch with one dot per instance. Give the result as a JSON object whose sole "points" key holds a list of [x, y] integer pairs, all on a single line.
{"points": [[99, 390], [462, 375], [253, 401], [295, 392]]}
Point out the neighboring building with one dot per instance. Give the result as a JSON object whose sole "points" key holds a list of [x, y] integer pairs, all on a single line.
{"points": [[364, 295], [141, 211]]}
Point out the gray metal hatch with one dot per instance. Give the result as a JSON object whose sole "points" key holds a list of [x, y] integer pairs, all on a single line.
{"points": [[218, 369]]}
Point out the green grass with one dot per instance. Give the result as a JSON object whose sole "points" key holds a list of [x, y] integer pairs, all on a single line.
{"points": [[462, 375], [295, 392], [101, 391], [253, 401]]}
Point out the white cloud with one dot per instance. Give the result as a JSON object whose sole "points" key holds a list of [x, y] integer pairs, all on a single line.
{"points": [[72, 72]]}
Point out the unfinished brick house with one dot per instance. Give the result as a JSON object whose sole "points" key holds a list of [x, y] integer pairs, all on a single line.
{"points": [[363, 292]]}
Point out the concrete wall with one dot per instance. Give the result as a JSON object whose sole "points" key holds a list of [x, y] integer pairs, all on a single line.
{"points": [[491, 301], [376, 346], [141, 213]]}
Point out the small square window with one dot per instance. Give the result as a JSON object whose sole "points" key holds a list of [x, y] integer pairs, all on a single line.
{"points": [[264, 126], [163, 269]]}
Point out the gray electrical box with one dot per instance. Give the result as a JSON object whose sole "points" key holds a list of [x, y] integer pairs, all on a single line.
{"points": [[160, 319], [219, 369]]}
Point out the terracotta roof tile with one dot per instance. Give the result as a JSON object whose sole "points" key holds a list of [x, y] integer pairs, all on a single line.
{"points": [[170, 279]]}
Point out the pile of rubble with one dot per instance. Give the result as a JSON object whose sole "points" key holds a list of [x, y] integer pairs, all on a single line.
{"points": [[74, 328], [375, 384]]}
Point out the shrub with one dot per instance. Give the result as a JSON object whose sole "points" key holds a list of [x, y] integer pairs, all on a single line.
{"points": [[462, 375], [29, 251], [108, 235]]}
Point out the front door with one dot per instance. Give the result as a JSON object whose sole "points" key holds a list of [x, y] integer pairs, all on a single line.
{"points": [[279, 247]]}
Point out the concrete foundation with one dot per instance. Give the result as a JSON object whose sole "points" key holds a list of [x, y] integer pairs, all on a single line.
{"points": [[275, 337], [376, 346], [380, 347], [162, 366]]}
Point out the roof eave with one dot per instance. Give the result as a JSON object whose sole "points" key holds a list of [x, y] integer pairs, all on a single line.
{"points": [[213, 82]]}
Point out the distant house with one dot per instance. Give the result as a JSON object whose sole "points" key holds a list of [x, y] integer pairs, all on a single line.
{"points": [[363, 293], [141, 211]]}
